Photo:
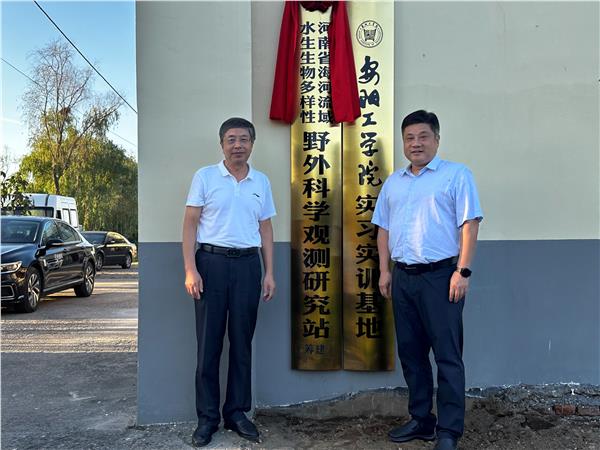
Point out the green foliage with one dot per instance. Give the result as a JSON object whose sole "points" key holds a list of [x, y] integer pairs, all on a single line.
{"points": [[62, 110], [12, 195], [70, 153], [101, 178]]}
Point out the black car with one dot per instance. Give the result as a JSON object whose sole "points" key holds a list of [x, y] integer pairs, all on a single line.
{"points": [[42, 255], [111, 248]]}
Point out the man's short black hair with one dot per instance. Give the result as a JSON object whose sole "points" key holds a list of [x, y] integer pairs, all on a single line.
{"points": [[237, 122], [422, 116]]}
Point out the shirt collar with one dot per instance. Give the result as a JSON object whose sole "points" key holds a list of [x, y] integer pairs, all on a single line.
{"points": [[225, 172], [433, 165]]}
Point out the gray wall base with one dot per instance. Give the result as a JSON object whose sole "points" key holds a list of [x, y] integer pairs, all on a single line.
{"points": [[531, 317]]}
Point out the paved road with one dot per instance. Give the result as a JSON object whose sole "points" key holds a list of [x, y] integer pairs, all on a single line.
{"points": [[104, 322], [69, 369]]}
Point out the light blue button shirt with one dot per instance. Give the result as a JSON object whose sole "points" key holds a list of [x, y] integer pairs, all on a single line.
{"points": [[423, 213]]}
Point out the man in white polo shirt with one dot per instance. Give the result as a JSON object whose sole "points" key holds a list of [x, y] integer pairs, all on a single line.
{"points": [[227, 220]]}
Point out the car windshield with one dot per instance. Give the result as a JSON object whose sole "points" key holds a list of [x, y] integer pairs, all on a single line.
{"points": [[38, 211], [19, 231], [94, 238]]}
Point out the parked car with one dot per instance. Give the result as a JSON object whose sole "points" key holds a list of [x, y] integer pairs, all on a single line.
{"points": [[111, 248], [43, 255]]}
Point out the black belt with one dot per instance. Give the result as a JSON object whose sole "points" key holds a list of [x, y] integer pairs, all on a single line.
{"points": [[228, 251], [415, 269]]}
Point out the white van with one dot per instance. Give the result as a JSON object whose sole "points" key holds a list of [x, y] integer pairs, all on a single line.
{"points": [[58, 206]]}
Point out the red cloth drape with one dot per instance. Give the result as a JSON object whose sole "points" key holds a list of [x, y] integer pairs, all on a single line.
{"points": [[344, 93]]}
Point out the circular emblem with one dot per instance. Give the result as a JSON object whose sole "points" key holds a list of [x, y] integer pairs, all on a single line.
{"points": [[369, 34]]}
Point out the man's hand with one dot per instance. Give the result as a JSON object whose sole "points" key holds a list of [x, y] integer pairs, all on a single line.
{"points": [[193, 281], [193, 284], [458, 287], [385, 283], [268, 287]]}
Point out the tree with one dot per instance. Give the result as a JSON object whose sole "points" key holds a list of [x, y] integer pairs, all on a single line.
{"points": [[62, 111], [105, 186], [12, 192], [103, 181]]}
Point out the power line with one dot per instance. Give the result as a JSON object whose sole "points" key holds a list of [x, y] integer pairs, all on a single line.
{"points": [[22, 73], [83, 56], [119, 136], [33, 81]]}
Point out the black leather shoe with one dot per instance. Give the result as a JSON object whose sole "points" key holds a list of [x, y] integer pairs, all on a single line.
{"points": [[203, 434], [413, 430], [244, 428], [446, 443]]}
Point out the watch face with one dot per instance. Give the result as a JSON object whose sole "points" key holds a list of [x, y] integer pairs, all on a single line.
{"points": [[465, 272]]}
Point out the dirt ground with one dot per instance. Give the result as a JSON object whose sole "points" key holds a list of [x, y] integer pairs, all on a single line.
{"points": [[554, 417], [491, 424], [520, 417]]}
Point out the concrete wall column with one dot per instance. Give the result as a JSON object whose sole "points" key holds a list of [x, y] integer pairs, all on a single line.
{"points": [[194, 71]]}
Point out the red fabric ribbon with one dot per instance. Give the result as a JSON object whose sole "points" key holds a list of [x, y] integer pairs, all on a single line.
{"points": [[345, 103]]}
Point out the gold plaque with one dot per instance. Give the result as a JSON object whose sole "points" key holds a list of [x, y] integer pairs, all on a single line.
{"points": [[368, 159], [316, 208]]}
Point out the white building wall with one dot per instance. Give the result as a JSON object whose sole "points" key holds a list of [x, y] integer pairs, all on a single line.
{"points": [[515, 85]]}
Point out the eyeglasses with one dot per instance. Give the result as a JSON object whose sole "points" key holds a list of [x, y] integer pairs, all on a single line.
{"points": [[242, 140]]}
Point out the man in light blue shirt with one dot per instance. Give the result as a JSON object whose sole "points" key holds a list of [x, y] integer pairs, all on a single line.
{"points": [[428, 216]]}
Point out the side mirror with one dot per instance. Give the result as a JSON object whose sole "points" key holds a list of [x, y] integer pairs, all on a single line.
{"points": [[53, 242]]}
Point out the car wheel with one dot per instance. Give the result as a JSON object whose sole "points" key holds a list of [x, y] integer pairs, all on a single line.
{"points": [[99, 261], [33, 283], [127, 263], [89, 275]]}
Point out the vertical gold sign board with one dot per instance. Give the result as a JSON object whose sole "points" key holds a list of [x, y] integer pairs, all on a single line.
{"points": [[368, 159], [316, 202], [339, 319]]}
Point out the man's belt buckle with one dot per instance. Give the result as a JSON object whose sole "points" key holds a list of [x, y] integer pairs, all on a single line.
{"points": [[411, 269], [233, 253]]}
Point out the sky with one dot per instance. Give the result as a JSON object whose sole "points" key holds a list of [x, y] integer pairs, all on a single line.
{"points": [[103, 31]]}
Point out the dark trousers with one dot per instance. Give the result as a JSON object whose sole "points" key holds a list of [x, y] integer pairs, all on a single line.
{"points": [[232, 288], [426, 320]]}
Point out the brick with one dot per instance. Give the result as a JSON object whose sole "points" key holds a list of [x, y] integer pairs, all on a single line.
{"points": [[565, 410], [585, 410]]}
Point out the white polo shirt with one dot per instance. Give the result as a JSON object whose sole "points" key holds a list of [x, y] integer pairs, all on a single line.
{"points": [[231, 210]]}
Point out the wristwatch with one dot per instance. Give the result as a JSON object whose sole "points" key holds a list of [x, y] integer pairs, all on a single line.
{"points": [[464, 271]]}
